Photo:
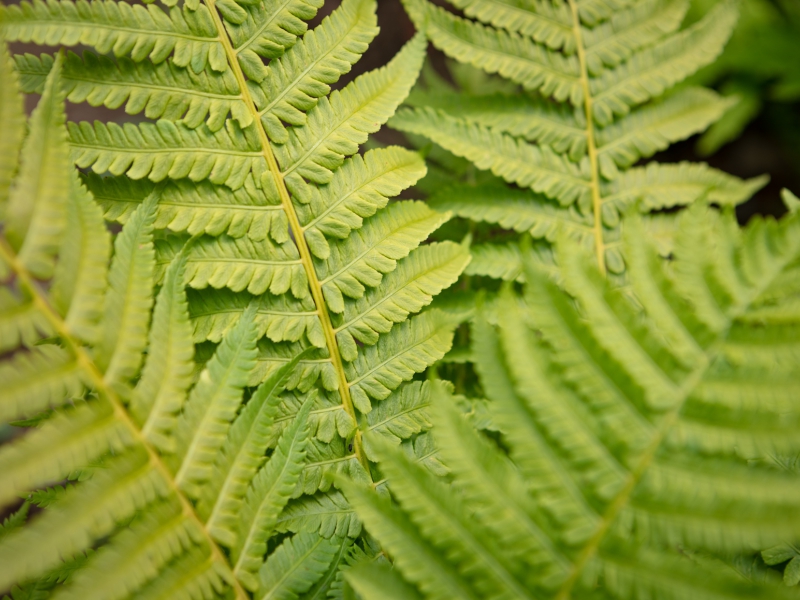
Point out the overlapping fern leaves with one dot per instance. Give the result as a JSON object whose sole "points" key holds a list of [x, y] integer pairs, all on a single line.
{"points": [[595, 93], [632, 427], [247, 188]]}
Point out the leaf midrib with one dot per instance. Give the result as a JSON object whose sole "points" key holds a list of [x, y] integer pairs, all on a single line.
{"points": [[296, 230]]}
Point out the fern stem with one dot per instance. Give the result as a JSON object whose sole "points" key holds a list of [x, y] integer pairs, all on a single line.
{"points": [[100, 386], [297, 234], [591, 145]]}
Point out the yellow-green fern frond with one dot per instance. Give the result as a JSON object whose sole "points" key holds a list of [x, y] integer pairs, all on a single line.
{"points": [[122, 500], [257, 248], [595, 94], [187, 36], [634, 430]]}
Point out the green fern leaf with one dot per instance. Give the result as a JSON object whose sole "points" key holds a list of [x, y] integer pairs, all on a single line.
{"points": [[263, 221], [359, 188], [631, 423], [296, 566], [328, 514], [237, 264], [339, 125], [513, 56], [155, 89], [268, 30], [33, 233], [548, 24], [631, 29], [79, 284], [268, 494], [241, 457], [109, 26], [12, 113], [304, 74], [370, 582], [653, 128], [412, 285], [167, 374], [362, 259], [674, 59], [129, 297], [597, 79], [381, 368], [194, 208], [400, 416], [539, 168], [156, 151], [212, 406], [559, 127], [280, 318]]}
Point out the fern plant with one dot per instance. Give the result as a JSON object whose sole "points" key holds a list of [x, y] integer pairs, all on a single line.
{"points": [[627, 429], [757, 67], [300, 275], [595, 89]]}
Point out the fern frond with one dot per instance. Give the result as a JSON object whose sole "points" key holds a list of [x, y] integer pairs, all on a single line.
{"points": [[295, 82], [657, 186], [129, 297], [647, 73], [504, 260], [519, 210], [425, 273], [631, 423], [340, 124], [280, 318], [361, 260], [194, 208], [267, 31], [36, 211], [259, 230], [241, 457], [381, 368], [362, 186], [328, 514], [270, 490], [165, 149], [297, 565], [631, 29], [79, 284], [11, 112], [590, 108], [369, 582], [20, 323], [136, 555], [654, 127], [559, 127], [238, 264], [111, 26], [400, 416], [44, 378], [155, 89], [539, 168], [513, 56], [548, 24], [212, 406], [167, 374]]}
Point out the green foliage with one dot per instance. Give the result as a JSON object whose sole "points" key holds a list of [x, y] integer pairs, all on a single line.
{"points": [[757, 68], [630, 429], [207, 423], [569, 98]]}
